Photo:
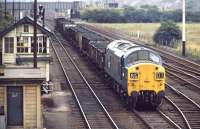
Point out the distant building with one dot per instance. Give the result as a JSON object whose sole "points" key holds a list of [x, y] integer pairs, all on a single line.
{"points": [[52, 9], [20, 83]]}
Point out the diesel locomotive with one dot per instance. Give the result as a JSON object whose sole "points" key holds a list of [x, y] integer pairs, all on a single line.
{"points": [[136, 72]]}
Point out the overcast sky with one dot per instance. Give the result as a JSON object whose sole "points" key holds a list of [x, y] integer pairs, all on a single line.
{"points": [[45, 0]]}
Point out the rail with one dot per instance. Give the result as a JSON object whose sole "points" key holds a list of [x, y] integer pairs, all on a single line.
{"points": [[114, 125]]}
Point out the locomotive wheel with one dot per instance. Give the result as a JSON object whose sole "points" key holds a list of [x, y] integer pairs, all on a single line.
{"points": [[124, 96], [134, 97], [110, 84], [121, 94], [118, 89], [114, 87], [127, 102], [157, 104], [133, 103], [158, 100], [155, 107]]}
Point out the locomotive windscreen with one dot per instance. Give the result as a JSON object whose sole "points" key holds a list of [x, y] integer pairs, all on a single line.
{"points": [[142, 55]]}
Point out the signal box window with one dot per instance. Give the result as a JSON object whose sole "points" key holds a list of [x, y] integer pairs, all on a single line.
{"points": [[44, 44], [41, 45], [26, 28], [9, 45], [22, 45]]}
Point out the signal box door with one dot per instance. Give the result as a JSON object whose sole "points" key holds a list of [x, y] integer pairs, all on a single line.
{"points": [[15, 106]]}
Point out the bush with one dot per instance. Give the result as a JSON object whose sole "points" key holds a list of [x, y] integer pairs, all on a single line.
{"points": [[168, 34]]}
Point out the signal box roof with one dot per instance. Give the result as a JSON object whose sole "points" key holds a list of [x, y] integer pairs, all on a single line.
{"points": [[25, 20]]}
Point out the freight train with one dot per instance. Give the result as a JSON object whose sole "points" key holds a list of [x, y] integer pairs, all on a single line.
{"points": [[137, 72]]}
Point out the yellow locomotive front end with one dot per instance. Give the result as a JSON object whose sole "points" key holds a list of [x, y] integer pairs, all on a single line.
{"points": [[146, 82], [145, 78]]}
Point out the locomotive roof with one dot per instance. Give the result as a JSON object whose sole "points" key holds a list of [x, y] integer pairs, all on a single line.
{"points": [[125, 48], [121, 46]]}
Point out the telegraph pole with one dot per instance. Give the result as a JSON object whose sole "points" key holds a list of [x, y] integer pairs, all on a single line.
{"points": [[13, 9], [35, 36], [19, 8], [43, 17], [5, 8], [183, 30]]}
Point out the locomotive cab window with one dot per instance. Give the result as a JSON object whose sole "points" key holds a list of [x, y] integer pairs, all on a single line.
{"points": [[154, 58], [142, 55], [132, 58]]}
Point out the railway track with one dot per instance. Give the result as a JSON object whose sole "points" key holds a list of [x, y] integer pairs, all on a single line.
{"points": [[173, 113], [180, 69], [188, 108], [74, 121], [185, 82], [189, 69], [93, 111], [150, 117], [184, 79]]}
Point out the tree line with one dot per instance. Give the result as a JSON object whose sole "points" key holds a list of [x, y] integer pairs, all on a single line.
{"points": [[144, 14]]}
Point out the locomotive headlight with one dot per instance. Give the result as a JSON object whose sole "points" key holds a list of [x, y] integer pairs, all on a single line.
{"points": [[159, 75], [134, 76]]}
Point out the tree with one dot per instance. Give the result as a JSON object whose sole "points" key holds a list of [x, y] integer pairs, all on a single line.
{"points": [[4, 21], [167, 34]]}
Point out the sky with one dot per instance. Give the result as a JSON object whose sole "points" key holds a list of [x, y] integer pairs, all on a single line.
{"points": [[45, 0]]}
